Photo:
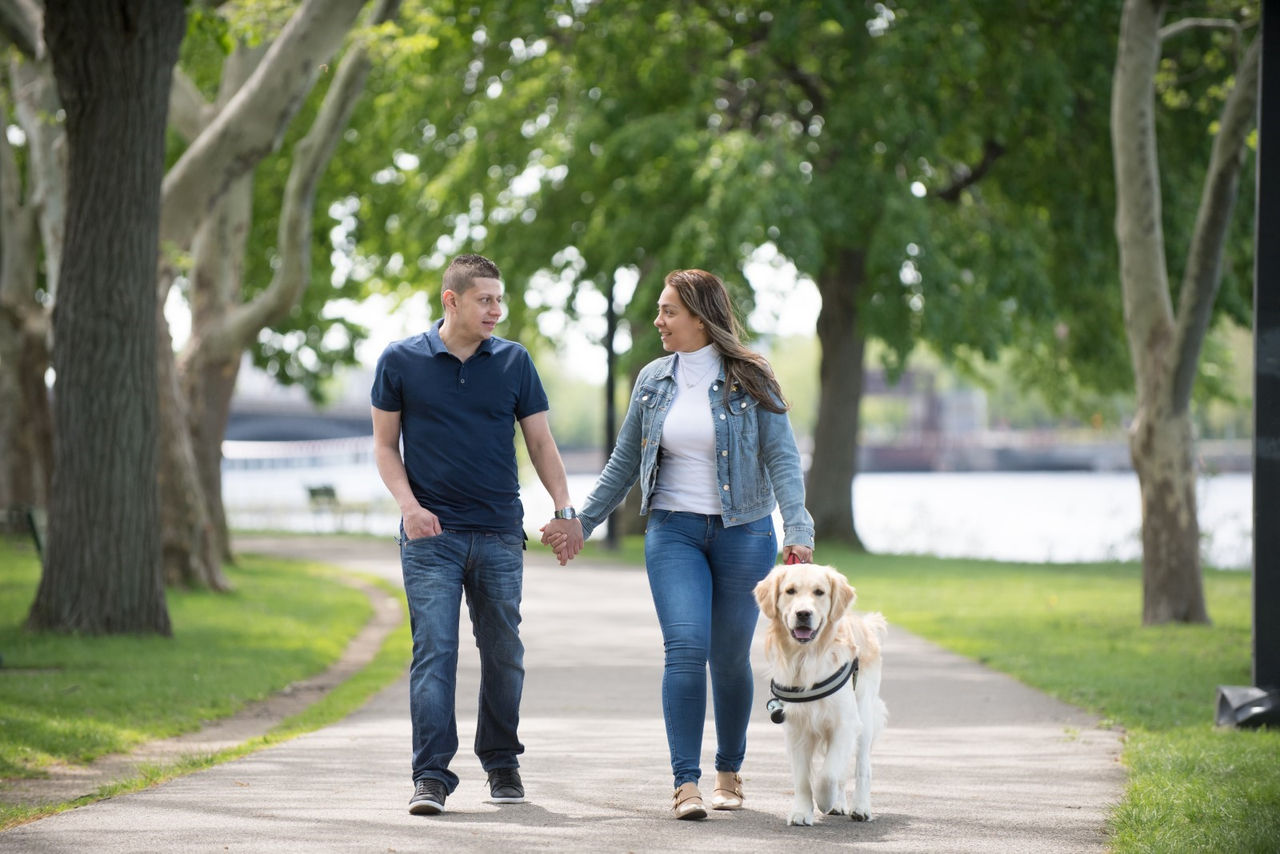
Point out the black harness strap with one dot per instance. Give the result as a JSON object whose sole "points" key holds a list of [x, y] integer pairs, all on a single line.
{"points": [[825, 688]]}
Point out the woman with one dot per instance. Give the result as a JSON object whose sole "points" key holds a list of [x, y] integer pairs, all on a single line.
{"points": [[708, 437]]}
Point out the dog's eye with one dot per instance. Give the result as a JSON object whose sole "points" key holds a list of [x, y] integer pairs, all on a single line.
{"points": [[819, 592], [790, 591]]}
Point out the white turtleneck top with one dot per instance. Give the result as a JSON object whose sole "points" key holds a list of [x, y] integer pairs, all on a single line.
{"points": [[687, 473]]}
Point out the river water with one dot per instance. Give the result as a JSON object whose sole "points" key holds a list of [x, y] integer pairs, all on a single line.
{"points": [[1062, 517]]}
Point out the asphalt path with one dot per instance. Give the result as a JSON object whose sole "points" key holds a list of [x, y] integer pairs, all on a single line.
{"points": [[972, 761]]}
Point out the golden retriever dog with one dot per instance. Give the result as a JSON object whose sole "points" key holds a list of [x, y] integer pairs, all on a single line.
{"points": [[826, 664]]}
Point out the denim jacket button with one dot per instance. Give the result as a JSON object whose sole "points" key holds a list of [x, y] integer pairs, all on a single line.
{"points": [[646, 397], [744, 404], [724, 453], [721, 416], [726, 487]]}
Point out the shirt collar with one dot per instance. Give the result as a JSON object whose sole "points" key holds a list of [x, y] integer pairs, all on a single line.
{"points": [[436, 344]]}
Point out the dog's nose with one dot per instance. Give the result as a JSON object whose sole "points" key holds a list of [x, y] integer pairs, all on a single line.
{"points": [[803, 617]]}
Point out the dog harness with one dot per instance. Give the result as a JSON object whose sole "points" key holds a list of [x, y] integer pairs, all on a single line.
{"points": [[796, 694]]}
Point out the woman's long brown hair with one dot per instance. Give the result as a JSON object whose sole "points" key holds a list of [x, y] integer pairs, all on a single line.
{"points": [[706, 297]]}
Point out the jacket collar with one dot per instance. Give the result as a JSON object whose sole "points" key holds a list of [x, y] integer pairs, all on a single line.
{"points": [[666, 369]]}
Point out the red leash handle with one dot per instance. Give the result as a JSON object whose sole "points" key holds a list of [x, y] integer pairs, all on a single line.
{"points": [[792, 558]]}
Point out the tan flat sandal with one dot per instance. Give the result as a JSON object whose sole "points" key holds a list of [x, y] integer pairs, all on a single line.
{"points": [[687, 804], [728, 794]]}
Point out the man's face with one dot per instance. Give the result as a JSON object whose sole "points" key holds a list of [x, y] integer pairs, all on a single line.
{"points": [[478, 309]]}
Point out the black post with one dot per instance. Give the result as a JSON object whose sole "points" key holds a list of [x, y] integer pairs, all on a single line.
{"points": [[1259, 704], [610, 407]]}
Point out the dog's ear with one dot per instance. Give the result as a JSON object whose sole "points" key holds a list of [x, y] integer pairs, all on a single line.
{"points": [[767, 594], [842, 593]]}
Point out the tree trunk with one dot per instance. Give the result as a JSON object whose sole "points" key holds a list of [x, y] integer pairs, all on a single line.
{"points": [[26, 426], [1165, 348], [209, 391], [835, 436], [17, 303], [223, 325], [1162, 456], [114, 64], [189, 547]]}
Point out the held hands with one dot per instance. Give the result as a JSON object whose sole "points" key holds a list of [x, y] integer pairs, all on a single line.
{"points": [[565, 538]]}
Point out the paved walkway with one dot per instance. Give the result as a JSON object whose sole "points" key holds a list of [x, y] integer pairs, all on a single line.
{"points": [[971, 762]]}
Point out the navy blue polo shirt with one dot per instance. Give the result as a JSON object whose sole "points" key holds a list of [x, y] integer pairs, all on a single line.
{"points": [[458, 423]]}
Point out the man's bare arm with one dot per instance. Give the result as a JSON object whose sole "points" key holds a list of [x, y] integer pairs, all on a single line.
{"points": [[418, 520]]}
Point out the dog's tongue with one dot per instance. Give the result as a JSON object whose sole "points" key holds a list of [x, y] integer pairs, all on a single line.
{"points": [[802, 634]]}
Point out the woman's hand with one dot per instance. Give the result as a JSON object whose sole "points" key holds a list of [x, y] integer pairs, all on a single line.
{"points": [[797, 554]]}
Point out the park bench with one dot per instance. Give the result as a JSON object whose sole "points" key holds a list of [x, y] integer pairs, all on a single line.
{"points": [[322, 497]]}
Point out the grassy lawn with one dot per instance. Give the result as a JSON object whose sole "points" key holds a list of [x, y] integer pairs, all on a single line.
{"points": [[69, 699], [1074, 631]]}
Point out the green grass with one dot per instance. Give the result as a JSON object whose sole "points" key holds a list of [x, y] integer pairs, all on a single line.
{"points": [[1075, 632], [69, 699]]}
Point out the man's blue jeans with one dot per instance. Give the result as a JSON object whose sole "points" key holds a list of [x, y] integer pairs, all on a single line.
{"points": [[489, 569], [702, 576]]}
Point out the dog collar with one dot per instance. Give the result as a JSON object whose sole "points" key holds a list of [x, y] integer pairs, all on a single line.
{"points": [[825, 688]]}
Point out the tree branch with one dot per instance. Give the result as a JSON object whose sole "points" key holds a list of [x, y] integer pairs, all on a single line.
{"points": [[1203, 275], [22, 23], [1144, 274], [37, 106], [189, 112], [968, 176], [1181, 26], [253, 121], [311, 157]]}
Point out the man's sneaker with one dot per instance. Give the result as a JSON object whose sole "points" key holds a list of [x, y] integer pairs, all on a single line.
{"points": [[428, 797], [505, 786]]}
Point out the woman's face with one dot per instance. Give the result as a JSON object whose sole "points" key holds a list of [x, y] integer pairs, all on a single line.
{"points": [[681, 331]]}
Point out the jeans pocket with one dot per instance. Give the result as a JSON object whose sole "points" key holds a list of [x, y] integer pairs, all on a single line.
{"points": [[515, 542], [657, 519], [762, 527]]}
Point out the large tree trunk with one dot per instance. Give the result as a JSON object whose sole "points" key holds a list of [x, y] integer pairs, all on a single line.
{"points": [[829, 494], [113, 63], [1165, 348]]}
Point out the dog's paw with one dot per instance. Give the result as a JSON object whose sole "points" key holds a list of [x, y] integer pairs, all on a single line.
{"points": [[800, 819], [860, 815], [831, 798]]}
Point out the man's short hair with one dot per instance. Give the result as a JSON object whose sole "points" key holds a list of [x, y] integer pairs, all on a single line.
{"points": [[465, 269]]}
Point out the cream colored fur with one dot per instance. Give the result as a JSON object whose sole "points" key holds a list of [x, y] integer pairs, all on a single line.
{"points": [[828, 740]]}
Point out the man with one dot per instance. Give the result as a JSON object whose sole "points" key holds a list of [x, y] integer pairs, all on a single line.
{"points": [[455, 394]]}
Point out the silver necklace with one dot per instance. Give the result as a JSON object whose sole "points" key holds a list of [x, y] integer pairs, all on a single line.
{"points": [[687, 383]]}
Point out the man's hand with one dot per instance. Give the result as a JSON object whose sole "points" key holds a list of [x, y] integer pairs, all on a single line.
{"points": [[420, 522], [565, 538]]}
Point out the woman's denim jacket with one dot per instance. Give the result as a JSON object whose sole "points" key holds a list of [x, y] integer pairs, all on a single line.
{"points": [[757, 462]]}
